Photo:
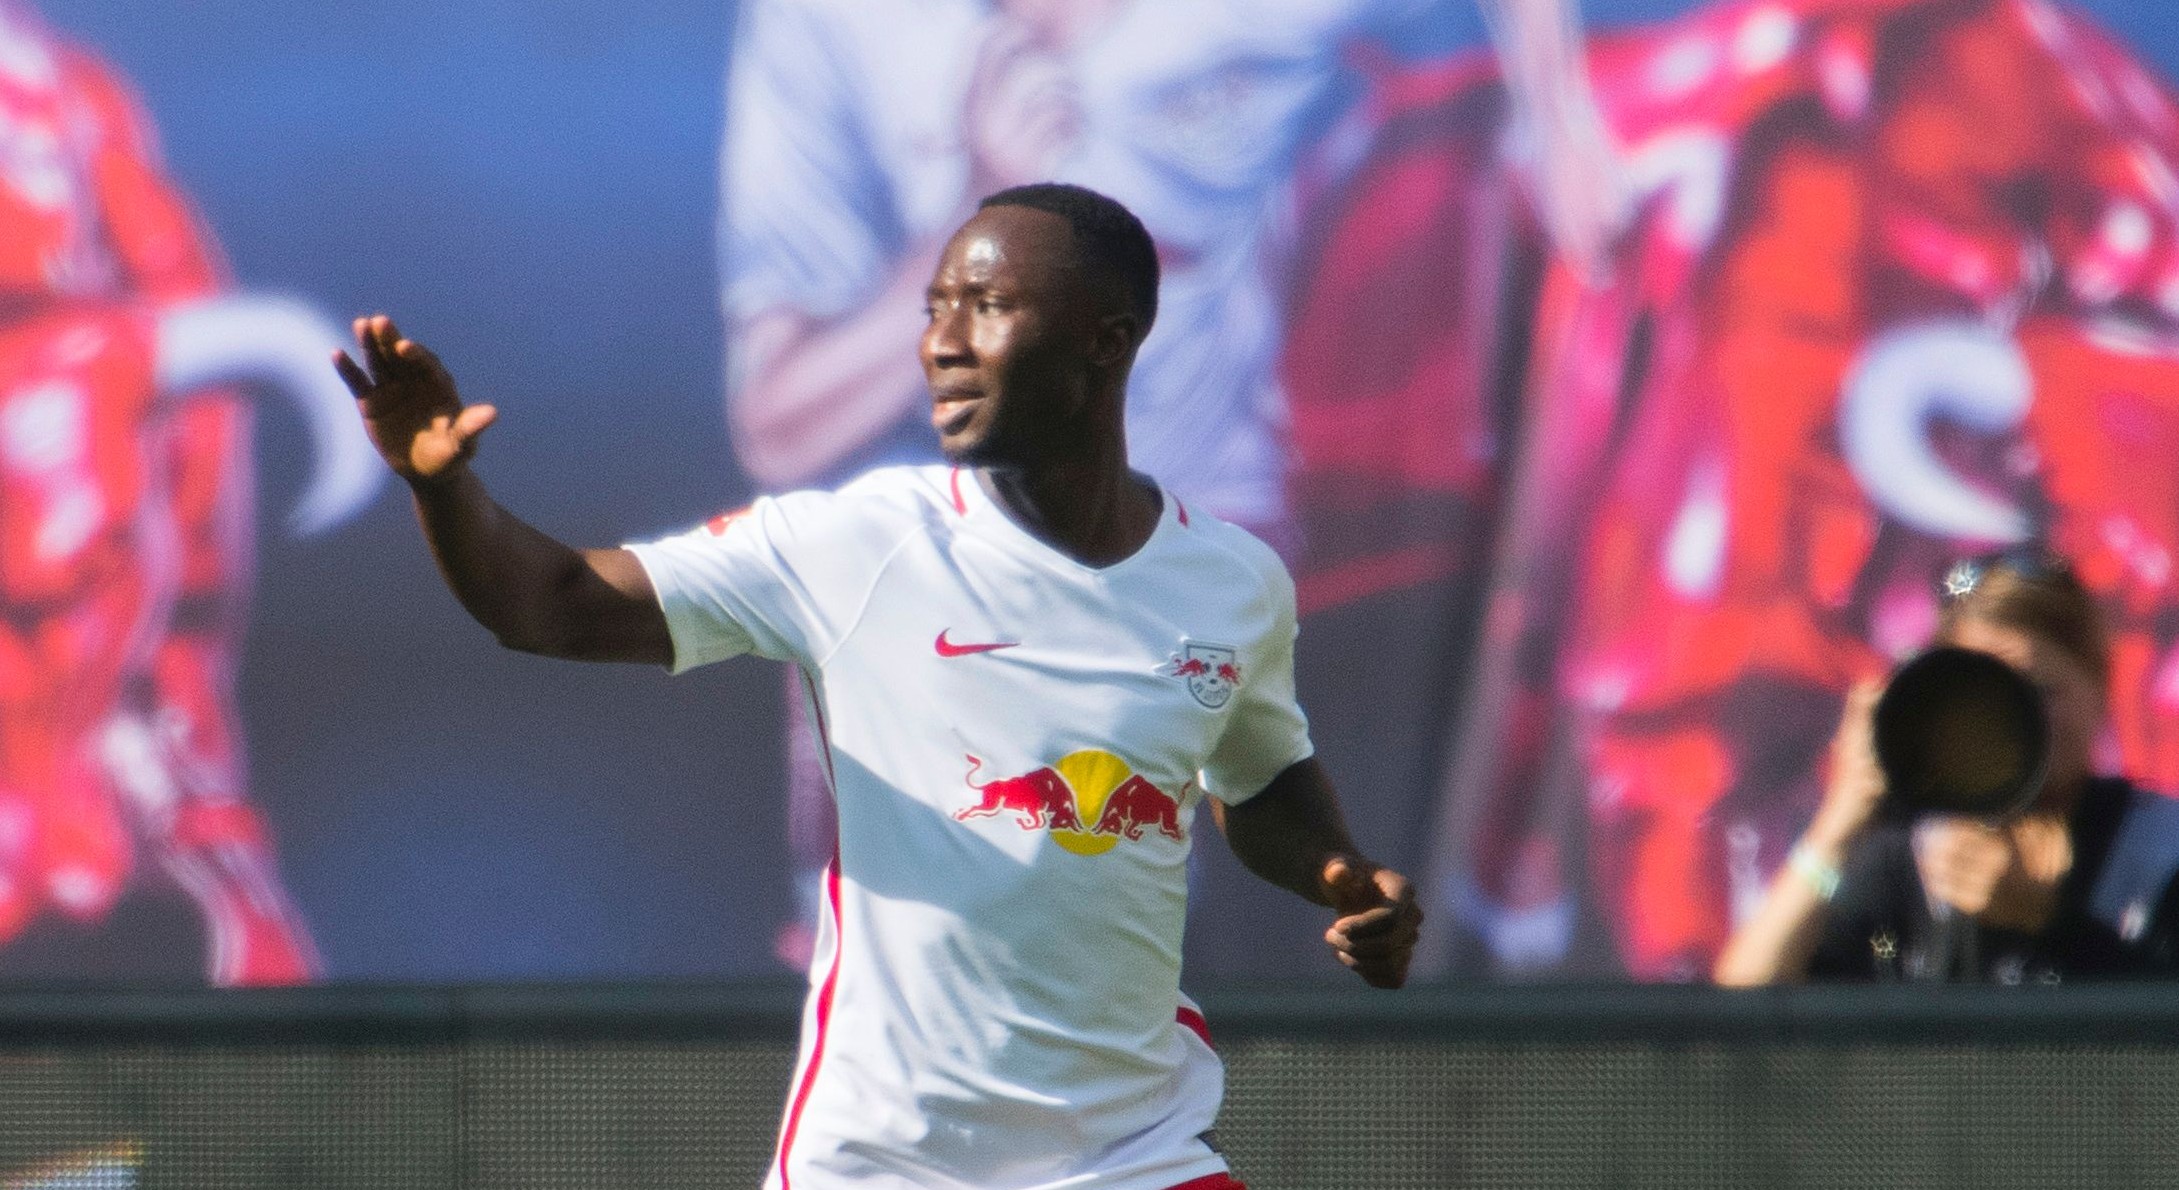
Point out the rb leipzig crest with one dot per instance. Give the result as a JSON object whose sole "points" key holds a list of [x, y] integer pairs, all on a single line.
{"points": [[1211, 672]]}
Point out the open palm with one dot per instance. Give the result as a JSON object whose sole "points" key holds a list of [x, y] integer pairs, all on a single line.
{"points": [[410, 407]]}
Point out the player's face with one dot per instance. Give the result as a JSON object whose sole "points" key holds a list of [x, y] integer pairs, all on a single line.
{"points": [[1006, 350]]}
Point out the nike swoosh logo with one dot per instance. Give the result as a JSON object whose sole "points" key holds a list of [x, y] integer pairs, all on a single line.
{"points": [[947, 648]]}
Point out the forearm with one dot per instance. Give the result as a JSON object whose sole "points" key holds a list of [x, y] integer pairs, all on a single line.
{"points": [[1288, 832], [534, 593], [1775, 945]]}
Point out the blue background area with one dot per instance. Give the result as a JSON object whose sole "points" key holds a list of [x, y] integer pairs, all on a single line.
{"points": [[530, 188]]}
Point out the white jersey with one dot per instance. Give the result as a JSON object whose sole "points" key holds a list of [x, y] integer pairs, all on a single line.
{"points": [[1017, 744]]}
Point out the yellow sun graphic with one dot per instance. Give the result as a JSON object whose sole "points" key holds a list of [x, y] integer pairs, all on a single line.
{"points": [[1093, 775]]}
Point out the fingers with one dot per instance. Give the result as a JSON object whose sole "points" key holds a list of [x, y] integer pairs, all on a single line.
{"points": [[1394, 933], [387, 355], [1379, 921], [1861, 700], [1961, 862], [472, 421], [1344, 886], [1380, 960], [351, 374], [374, 352], [391, 371]]}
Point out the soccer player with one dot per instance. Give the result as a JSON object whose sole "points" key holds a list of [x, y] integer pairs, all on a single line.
{"points": [[1028, 668], [858, 136]]}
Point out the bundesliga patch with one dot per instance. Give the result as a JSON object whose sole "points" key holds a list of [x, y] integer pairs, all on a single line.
{"points": [[1211, 672]]}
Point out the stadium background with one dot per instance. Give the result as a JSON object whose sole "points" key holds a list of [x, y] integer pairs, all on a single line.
{"points": [[533, 188], [546, 894]]}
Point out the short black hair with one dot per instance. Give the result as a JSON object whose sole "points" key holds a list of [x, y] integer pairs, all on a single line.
{"points": [[1108, 235]]}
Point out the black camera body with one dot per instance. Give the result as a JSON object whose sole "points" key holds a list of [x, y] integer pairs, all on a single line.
{"points": [[1961, 732]]}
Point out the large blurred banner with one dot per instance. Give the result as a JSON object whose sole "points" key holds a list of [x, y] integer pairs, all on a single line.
{"points": [[126, 519], [1617, 380]]}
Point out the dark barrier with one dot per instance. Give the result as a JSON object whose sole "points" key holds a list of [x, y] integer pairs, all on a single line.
{"points": [[666, 1087]]}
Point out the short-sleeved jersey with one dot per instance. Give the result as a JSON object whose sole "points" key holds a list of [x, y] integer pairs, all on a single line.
{"points": [[1017, 743]]}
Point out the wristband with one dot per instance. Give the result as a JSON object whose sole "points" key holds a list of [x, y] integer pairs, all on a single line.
{"points": [[1822, 877]]}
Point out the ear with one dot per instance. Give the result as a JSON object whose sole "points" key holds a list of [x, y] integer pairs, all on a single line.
{"points": [[1115, 339]]}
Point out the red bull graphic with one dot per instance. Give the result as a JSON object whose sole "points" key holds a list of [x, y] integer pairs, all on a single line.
{"points": [[1137, 804], [1086, 786], [127, 526], [1817, 345], [1211, 672], [1042, 799]]}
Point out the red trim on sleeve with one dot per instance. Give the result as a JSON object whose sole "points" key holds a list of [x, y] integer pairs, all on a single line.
{"points": [[1183, 510], [1193, 1021], [959, 505]]}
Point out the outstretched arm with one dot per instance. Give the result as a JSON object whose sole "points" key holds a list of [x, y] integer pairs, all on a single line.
{"points": [[1293, 835], [534, 593]]}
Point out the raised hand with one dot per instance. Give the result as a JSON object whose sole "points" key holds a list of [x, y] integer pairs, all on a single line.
{"points": [[1855, 786], [1378, 919], [409, 404]]}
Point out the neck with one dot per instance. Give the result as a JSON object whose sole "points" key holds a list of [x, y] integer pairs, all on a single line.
{"points": [[1088, 506]]}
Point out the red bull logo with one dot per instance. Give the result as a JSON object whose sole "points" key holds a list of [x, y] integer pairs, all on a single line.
{"points": [[1087, 800], [1212, 672]]}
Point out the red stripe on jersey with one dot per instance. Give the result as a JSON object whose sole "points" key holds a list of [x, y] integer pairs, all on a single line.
{"points": [[1216, 1181], [1193, 1021], [832, 974], [959, 505], [1183, 509], [824, 1019]]}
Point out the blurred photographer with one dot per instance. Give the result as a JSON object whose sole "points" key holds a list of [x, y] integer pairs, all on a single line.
{"points": [[2072, 887]]}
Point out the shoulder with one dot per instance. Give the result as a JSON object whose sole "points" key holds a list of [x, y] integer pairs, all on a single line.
{"points": [[2147, 806], [1239, 554], [2139, 846], [883, 505], [910, 492]]}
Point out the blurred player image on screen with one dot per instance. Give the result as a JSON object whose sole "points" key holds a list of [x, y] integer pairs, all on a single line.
{"points": [[1878, 284], [126, 520], [860, 135], [1028, 668]]}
